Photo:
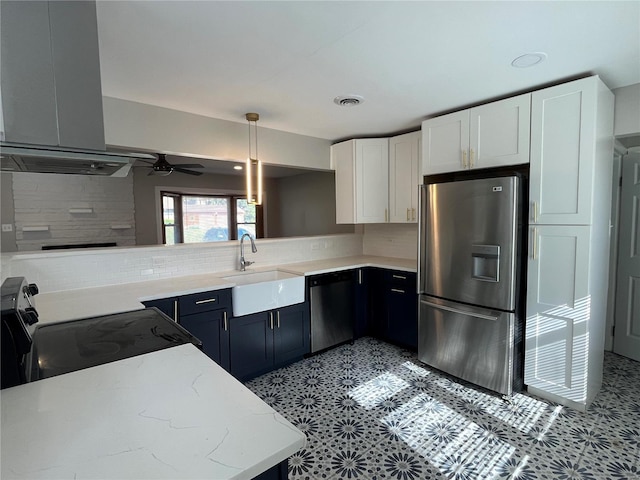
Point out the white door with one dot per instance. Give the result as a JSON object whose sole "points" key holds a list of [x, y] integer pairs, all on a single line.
{"points": [[372, 180], [563, 123], [626, 338], [558, 311], [403, 178], [445, 143], [342, 160], [499, 133]]}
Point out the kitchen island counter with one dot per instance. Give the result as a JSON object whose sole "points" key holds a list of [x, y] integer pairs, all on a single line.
{"points": [[167, 414]]}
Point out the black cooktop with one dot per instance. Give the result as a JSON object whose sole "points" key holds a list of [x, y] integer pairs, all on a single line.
{"points": [[74, 345]]}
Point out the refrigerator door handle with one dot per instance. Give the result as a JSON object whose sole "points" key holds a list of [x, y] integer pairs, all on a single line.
{"points": [[461, 312]]}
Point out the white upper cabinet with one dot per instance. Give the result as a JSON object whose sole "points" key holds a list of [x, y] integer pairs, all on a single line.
{"points": [[565, 141], [404, 166], [444, 141], [490, 135], [362, 180]]}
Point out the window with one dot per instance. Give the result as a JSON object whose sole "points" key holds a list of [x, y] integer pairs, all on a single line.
{"points": [[191, 218]]}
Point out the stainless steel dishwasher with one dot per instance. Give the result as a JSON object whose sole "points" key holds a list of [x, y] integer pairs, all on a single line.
{"points": [[332, 309]]}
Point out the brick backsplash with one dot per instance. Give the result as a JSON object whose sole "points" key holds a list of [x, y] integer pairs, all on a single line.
{"points": [[68, 270], [75, 209]]}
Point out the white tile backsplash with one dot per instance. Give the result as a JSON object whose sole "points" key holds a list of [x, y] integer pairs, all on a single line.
{"points": [[68, 270], [397, 240]]}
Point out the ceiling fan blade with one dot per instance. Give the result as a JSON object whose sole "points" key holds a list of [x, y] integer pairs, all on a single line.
{"points": [[189, 172], [188, 165]]}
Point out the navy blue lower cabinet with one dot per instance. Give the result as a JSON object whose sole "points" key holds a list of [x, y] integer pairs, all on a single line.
{"points": [[261, 342], [205, 315], [362, 297], [211, 328], [278, 472], [250, 345], [401, 309], [291, 339], [168, 306]]}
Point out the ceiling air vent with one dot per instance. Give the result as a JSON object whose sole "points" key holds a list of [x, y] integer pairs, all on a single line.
{"points": [[348, 100]]}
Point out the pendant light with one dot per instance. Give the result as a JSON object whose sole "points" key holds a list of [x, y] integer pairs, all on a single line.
{"points": [[254, 165]]}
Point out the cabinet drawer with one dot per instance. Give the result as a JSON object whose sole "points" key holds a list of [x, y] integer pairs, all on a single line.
{"points": [[400, 280], [205, 301]]}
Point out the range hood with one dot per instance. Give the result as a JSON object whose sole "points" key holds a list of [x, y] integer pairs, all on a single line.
{"points": [[51, 94], [30, 158]]}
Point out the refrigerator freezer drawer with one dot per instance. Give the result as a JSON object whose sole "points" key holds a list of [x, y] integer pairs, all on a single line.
{"points": [[472, 343]]}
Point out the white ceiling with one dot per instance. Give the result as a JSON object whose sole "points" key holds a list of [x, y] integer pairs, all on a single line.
{"points": [[409, 60]]}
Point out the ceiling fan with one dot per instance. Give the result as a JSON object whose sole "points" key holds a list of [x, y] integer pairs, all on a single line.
{"points": [[164, 168]]}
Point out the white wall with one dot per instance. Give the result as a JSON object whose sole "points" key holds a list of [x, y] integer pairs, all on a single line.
{"points": [[627, 110], [68, 270], [42, 199], [134, 125]]}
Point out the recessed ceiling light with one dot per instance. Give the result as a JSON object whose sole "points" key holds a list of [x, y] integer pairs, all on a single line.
{"points": [[348, 100], [529, 59], [237, 167]]}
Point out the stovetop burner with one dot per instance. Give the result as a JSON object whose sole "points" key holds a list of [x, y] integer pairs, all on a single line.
{"points": [[32, 352], [74, 345]]}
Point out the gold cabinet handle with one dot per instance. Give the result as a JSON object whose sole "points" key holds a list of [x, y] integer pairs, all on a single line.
{"points": [[271, 320], [535, 244], [535, 212], [359, 276], [464, 158], [225, 322], [385, 215], [397, 290], [471, 158], [399, 277], [413, 214], [408, 214], [278, 319]]}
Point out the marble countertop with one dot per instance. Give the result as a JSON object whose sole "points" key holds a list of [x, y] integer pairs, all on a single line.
{"points": [[171, 414], [91, 302]]}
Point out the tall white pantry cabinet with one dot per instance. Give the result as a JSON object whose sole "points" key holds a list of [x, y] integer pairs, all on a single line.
{"points": [[569, 225]]}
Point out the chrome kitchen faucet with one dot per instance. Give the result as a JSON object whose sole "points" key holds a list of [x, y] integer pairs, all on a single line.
{"points": [[244, 263]]}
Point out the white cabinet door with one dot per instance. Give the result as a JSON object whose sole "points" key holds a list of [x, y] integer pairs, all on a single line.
{"points": [[500, 133], [490, 135], [558, 312], [404, 154], [563, 148], [343, 161], [445, 143], [372, 180]]}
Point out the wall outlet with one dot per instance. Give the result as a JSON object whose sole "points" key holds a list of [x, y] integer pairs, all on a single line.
{"points": [[7, 227]]}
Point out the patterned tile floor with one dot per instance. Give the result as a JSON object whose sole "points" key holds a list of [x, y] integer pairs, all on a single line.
{"points": [[372, 411]]}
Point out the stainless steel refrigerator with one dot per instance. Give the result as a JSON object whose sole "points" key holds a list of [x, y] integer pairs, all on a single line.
{"points": [[469, 270]]}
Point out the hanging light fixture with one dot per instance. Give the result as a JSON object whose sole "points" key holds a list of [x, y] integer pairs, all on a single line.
{"points": [[254, 165]]}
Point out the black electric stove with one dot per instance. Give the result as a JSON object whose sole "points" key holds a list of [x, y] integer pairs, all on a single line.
{"points": [[31, 352]]}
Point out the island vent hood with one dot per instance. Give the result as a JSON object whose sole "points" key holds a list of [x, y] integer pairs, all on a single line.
{"points": [[51, 95]]}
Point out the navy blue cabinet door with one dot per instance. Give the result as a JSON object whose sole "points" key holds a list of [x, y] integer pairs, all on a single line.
{"points": [[165, 305], [291, 333], [361, 292], [209, 327], [401, 309], [250, 345]]}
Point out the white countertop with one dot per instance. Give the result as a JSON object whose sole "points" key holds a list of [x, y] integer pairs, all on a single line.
{"points": [[168, 414], [91, 302]]}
